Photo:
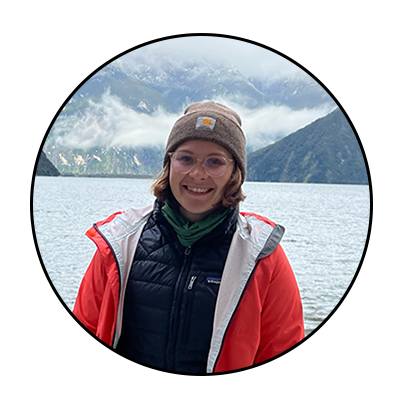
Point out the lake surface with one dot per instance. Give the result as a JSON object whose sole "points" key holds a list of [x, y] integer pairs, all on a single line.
{"points": [[326, 230]]}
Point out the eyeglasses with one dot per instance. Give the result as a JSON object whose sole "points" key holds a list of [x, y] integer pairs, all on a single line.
{"points": [[183, 163]]}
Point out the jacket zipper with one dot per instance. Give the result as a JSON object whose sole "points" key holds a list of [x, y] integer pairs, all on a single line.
{"points": [[191, 283], [176, 309]]}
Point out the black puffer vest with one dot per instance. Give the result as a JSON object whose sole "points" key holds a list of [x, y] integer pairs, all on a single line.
{"points": [[171, 294]]}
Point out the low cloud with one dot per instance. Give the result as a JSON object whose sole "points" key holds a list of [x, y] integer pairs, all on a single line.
{"points": [[270, 123], [110, 123]]}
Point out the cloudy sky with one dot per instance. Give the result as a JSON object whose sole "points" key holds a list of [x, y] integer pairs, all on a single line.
{"points": [[252, 60], [112, 123]]}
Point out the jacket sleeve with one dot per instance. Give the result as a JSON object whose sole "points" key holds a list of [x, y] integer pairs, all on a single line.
{"points": [[88, 302], [96, 303], [282, 324]]}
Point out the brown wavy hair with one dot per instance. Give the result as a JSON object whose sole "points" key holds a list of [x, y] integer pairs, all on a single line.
{"points": [[231, 197]]}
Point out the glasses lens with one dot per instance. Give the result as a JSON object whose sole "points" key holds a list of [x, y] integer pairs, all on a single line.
{"points": [[183, 162], [215, 166]]}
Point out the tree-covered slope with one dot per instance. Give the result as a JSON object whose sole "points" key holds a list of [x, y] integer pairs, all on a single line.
{"points": [[326, 151]]}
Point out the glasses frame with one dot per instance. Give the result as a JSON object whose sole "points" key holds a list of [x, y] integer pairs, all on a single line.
{"points": [[172, 154]]}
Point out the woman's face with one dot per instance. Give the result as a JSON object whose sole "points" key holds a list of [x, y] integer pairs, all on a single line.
{"points": [[196, 191]]}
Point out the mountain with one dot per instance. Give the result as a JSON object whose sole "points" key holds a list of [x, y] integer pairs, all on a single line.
{"points": [[178, 83], [293, 93], [326, 151], [113, 161], [45, 167], [98, 130], [134, 93], [144, 87]]}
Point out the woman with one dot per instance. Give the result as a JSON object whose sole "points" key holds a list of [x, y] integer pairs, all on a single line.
{"points": [[189, 284]]}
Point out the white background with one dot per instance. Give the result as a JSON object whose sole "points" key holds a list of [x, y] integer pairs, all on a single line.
{"points": [[48, 48]]}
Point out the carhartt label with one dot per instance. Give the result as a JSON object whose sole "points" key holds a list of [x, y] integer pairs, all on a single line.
{"points": [[205, 124], [216, 281]]}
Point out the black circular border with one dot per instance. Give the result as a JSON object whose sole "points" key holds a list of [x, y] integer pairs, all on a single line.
{"points": [[256, 44]]}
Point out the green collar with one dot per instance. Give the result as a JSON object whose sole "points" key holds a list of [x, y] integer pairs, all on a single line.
{"points": [[189, 232]]}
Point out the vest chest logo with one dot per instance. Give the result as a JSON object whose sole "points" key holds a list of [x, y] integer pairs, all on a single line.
{"points": [[215, 281]]}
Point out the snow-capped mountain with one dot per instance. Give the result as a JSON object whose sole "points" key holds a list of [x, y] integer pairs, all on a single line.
{"points": [[195, 81], [127, 108]]}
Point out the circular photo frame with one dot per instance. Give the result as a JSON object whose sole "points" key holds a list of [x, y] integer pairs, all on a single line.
{"points": [[180, 276]]}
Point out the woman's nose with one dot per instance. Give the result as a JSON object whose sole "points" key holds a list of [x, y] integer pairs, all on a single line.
{"points": [[198, 171]]}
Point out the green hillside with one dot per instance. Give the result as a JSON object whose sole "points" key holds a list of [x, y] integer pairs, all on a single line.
{"points": [[326, 151]]}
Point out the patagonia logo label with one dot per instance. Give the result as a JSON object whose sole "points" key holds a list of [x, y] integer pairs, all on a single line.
{"points": [[216, 281], [205, 124]]}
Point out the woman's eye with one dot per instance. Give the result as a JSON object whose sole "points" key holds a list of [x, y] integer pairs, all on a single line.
{"points": [[184, 159], [214, 162]]}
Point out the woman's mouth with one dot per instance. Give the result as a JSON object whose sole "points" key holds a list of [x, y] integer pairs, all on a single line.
{"points": [[197, 190]]}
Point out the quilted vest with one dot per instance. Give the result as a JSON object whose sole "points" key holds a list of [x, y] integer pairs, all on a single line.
{"points": [[171, 294]]}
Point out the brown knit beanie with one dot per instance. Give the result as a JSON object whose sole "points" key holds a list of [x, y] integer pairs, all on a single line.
{"points": [[213, 122]]}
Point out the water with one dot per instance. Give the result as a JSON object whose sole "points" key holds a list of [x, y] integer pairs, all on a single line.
{"points": [[326, 229]]}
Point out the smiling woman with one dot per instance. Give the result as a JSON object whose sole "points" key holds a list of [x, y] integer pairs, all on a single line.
{"points": [[190, 285], [198, 192]]}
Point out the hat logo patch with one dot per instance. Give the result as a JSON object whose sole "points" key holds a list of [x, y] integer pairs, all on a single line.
{"points": [[205, 124]]}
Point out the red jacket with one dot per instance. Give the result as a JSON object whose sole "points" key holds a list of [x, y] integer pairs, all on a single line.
{"points": [[258, 312]]}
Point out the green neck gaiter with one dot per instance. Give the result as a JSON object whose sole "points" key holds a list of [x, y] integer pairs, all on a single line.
{"points": [[189, 232]]}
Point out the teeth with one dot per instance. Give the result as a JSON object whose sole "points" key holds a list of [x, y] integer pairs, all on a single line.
{"points": [[197, 190]]}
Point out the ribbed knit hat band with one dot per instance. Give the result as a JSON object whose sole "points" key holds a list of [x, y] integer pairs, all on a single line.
{"points": [[213, 122]]}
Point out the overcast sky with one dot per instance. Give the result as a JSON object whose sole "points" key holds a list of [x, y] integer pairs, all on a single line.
{"points": [[252, 60]]}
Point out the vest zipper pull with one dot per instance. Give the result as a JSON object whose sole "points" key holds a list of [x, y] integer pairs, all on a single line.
{"points": [[187, 250], [191, 283]]}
